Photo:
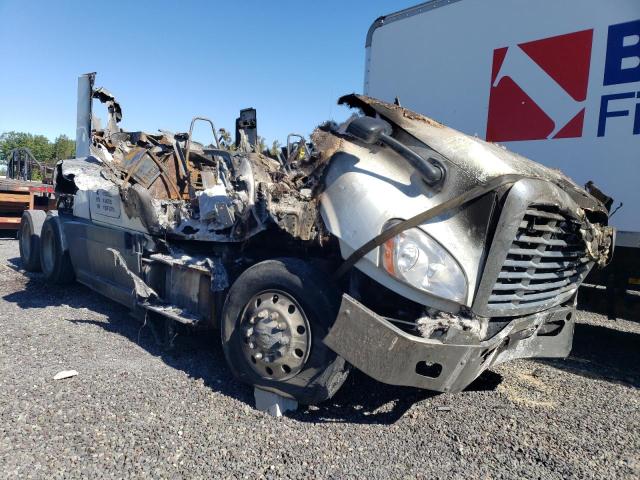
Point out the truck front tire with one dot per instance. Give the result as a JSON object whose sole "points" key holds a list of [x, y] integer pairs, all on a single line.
{"points": [[54, 259], [29, 241], [274, 319]]}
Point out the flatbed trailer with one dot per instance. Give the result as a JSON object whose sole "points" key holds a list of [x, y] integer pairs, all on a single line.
{"points": [[16, 196]]}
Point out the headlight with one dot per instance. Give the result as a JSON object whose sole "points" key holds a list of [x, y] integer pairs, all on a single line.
{"points": [[417, 259]]}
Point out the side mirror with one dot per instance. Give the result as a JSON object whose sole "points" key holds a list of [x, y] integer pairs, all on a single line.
{"points": [[368, 129], [371, 130]]}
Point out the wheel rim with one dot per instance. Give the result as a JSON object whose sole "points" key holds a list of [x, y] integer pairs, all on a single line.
{"points": [[47, 250], [25, 241], [276, 338]]}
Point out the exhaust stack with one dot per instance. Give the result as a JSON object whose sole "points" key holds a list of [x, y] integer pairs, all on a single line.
{"points": [[83, 122]]}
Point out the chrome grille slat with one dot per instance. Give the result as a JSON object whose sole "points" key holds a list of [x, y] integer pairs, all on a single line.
{"points": [[537, 303], [537, 252], [545, 263], [532, 296], [538, 276], [551, 241], [533, 286], [534, 212], [540, 228]]}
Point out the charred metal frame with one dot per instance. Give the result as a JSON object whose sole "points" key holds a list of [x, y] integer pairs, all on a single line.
{"points": [[21, 164]]}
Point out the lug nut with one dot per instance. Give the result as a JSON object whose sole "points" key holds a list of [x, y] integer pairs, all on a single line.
{"points": [[282, 325], [252, 345], [258, 356], [262, 314], [248, 332], [274, 315]]}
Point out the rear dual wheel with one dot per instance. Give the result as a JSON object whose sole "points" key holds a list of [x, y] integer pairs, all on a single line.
{"points": [[29, 239], [42, 246], [54, 259], [274, 319]]}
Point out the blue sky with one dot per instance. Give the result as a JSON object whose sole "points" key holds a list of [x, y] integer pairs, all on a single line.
{"points": [[168, 61]]}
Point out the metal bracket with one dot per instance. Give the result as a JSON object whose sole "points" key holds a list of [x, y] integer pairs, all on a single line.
{"points": [[272, 403]]}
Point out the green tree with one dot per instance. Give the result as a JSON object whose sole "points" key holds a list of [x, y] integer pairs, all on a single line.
{"points": [[262, 144], [275, 149], [39, 145], [44, 150], [226, 142], [63, 148]]}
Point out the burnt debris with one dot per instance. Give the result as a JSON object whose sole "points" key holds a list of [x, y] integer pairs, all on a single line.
{"points": [[227, 192]]}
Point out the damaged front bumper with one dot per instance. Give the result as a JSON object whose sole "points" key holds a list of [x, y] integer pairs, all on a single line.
{"points": [[390, 355]]}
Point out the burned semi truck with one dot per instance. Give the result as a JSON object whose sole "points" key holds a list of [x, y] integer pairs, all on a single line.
{"points": [[390, 243]]}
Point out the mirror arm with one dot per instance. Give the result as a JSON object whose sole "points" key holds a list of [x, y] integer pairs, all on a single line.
{"points": [[431, 169]]}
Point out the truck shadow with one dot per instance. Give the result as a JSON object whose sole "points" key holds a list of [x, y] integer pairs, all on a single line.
{"points": [[363, 400], [603, 353], [598, 352], [595, 299], [199, 354]]}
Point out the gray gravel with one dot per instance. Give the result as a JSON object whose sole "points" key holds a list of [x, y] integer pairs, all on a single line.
{"points": [[134, 411]]}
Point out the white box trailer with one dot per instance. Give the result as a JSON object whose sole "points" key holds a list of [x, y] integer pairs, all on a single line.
{"points": [[558, 82]]}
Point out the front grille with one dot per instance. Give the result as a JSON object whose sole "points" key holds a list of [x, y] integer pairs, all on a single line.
{"points": [[545, 264]]}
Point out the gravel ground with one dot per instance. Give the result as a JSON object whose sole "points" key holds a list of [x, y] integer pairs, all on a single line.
{"points": [[135, 411]]}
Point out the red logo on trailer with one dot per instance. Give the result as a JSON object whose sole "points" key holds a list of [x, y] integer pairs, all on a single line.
{"points": [[538, 88]]}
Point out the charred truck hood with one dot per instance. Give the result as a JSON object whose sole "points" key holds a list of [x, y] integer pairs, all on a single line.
{"points": [[366, 186], [523, 247]]}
